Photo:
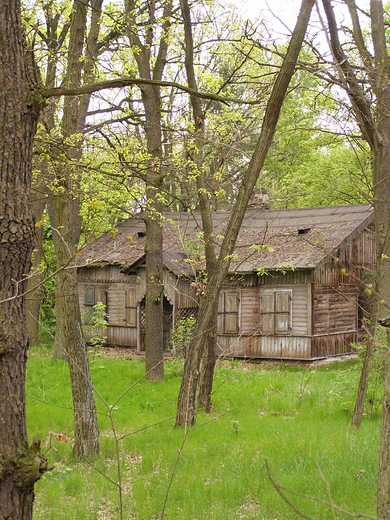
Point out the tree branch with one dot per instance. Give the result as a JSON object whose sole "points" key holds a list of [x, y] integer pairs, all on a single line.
{"points": [[357, 96], [126, 82]]}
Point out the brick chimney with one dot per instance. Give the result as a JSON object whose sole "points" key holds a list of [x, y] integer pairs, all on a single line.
{"points": [[259, 199]]}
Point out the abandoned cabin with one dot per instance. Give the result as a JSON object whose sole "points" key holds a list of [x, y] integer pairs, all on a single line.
{"points": [[295, 288]]}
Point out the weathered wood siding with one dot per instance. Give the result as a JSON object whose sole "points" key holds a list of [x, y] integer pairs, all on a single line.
{"points": [[292, 314], [180, 291], [105, 273], [266, 347], [122, 296], [333, 344], [122, 336], [349, 262], [286, 277], [335, 309]]}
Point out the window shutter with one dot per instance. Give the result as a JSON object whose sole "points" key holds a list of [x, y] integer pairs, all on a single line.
{"points": [[228, 312], [282, 311], [89, 297], [231, 312], [267, 309], [131, 307]]}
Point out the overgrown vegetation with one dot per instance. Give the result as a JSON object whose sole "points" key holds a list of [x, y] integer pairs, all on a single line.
{"points": [[296, 418], [181, 334]]}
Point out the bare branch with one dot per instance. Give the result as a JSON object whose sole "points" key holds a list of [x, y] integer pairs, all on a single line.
{"points": [[280, 489], [126, 82]]}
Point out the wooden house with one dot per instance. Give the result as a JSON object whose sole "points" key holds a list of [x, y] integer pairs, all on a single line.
{"points": [[294, 291]]}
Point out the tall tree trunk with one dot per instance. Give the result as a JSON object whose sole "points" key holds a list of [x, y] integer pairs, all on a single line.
{"points": [[208, 366], [20, 466], [381, 169], [187, 395], [154, 298], [69, 336], [64, 210], [375, 128], [152, 68], [365, 374], [199, 116]]}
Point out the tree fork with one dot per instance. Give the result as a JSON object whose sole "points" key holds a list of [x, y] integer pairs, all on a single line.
{"points": [[187, 395]]}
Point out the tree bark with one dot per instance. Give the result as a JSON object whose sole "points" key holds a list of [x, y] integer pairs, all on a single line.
{"points": [[375, 128], [64, 210], [381, 169], [20, 466], [187, 395], [365, 374], [206, 376], [151, 98], [199, 117], [363, 383]]}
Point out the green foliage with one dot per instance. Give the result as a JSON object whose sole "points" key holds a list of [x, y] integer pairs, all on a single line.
{"points": [[58, 473], [182, 333], [96, 323], [312, 161], [47, 316]]}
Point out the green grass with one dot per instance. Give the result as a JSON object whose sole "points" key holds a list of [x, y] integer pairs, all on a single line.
{"points": [[295, 418]]}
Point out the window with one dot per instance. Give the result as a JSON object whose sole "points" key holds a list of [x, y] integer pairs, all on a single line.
{"points": [[89, 296], [228, 313], [92, 296], [89, 302], [275, 311], [131, 307]]}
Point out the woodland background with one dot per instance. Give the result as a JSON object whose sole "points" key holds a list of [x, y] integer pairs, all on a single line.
{"points": [[110, 109]]}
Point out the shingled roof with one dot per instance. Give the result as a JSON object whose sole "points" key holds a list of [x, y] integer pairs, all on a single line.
{"points": [[268, 239]]}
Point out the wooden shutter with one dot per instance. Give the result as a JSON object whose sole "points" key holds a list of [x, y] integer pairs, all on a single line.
{"points": [[131, 307], [231, 312], [282, 312], [267, 310], [228, 313]]}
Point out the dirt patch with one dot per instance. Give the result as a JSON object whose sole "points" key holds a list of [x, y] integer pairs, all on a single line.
{"points": [[114, 352]]}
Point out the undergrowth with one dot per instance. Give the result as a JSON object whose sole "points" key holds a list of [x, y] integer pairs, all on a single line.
{"points": [[295, 419]]}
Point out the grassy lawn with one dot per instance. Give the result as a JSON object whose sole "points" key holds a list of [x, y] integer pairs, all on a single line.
{"points": [[295, 418]]}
